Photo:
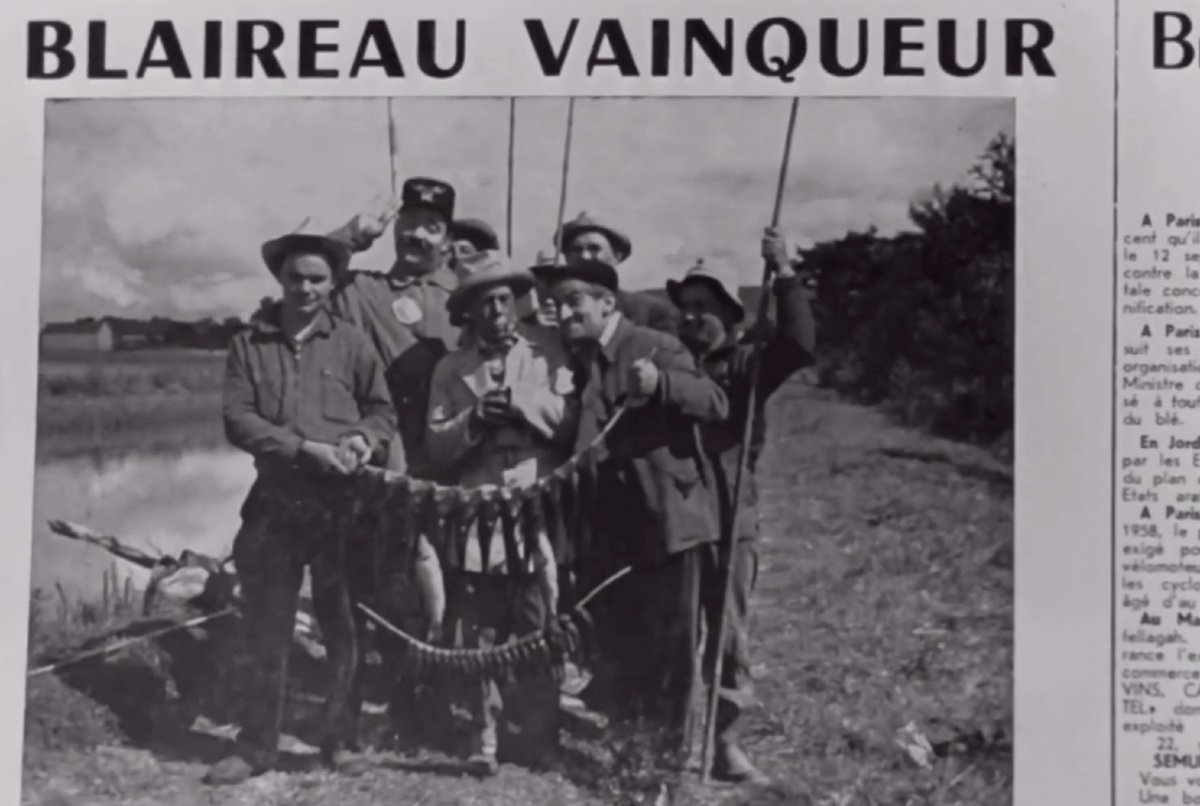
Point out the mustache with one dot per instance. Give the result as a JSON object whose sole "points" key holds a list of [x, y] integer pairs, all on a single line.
{"points": [[415, 242]]}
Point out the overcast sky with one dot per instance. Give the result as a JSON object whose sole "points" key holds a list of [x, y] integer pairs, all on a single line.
{"points": [[158, 207]]}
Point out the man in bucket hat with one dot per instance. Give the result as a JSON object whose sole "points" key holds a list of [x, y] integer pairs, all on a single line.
{"points": [[502, 412], [304, 394], [403, 312], [588, 238], [652, 470], [711, 327]]}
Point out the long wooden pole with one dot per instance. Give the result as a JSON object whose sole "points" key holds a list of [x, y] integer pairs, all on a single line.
{"points": [[562, 193], [392, 149], [512, 140], [729, 538]]}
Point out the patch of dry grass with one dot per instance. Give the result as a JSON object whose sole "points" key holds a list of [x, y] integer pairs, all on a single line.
{"points": [[883, 610]]}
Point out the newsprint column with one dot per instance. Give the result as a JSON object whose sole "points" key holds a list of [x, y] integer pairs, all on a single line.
{"points": [[1157, 411]]}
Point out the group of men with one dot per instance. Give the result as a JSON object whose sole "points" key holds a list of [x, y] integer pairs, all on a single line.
{"points": [[443, 369]]}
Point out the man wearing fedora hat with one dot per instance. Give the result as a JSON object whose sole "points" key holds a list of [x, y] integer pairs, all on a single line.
{"points": [[653, 470], [502, 412], [587, 238], [305, 395], [711, 327], [403, 312]]}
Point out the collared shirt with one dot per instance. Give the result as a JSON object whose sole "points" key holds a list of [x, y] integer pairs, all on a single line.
{"points": [[280, 392], [610, 327]]}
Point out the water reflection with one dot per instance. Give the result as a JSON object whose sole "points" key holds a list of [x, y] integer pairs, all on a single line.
{"points": [[156, 502]]}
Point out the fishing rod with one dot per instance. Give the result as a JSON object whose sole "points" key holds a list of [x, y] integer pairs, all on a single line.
{"points": [[729, 538]]}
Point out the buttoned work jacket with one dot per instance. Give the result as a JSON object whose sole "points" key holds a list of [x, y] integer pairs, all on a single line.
{"points": [[535, 368], [654, 480]]}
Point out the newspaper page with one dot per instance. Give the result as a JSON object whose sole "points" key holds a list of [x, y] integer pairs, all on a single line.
{"points": [[547, 402], [1157, 736]]}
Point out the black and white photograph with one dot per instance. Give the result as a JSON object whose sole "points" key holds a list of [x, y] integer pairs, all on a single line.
{"points": [[530, 450]]}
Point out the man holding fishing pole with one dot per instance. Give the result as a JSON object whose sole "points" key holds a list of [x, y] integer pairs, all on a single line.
{"points": [[305, 395], [712, 328]]}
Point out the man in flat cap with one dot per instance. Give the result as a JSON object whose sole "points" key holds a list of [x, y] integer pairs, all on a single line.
{"points": [[470, 236], [712, 328], [403, 312], [588, 238], [502, 412], [305, 395], [653, 471]]}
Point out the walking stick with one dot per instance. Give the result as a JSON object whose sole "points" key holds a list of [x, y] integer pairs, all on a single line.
{"points": [[512, 139], [729, 538]]}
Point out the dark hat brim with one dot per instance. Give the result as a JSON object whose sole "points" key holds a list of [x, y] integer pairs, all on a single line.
{"points": [[336, 253], [620, 242], [589, 271], [475, 231], [674, 287]]}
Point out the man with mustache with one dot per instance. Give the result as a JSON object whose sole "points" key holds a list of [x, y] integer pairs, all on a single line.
{"points": [[712, 316], [403, 312], [588, 238], [502, 412], [305, 396], [659, 516]]}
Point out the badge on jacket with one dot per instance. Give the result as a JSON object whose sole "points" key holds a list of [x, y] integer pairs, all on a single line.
{"points": [[406, 310]]}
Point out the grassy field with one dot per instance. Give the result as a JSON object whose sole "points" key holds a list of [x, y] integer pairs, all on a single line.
{"points": [[883, 654], [128, 401]]}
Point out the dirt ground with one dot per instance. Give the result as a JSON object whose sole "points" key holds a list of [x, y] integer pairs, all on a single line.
{"points": [[883, 656]]}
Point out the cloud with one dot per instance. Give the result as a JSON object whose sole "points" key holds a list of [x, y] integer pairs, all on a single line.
{"points": [[159, 207]]}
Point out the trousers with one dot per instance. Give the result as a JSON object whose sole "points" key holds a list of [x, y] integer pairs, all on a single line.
{"points": [[271, 550], [486, 610]]}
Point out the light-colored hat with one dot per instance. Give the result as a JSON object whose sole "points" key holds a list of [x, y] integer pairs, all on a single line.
{"points": [[335, 252], [583, 222], [720, 280], [485, 270]]}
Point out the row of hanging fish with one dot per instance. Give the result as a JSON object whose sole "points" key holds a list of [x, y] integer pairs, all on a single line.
{"points": [[563, 505]]}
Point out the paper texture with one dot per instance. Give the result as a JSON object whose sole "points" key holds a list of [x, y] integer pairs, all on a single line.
{"points": [[968, 493]]}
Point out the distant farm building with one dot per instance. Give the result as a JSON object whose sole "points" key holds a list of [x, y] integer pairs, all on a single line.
{"points": [[95, 334], [101, 335]]}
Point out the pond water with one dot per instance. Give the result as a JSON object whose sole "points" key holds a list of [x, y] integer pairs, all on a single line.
{"points": [[155, 502]]}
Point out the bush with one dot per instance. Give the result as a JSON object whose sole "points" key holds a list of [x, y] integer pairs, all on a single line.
{"points": [[922, 322]]}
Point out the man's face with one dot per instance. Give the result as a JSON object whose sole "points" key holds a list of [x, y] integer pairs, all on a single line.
{"points": [[705, 319], [307, 281], [464, 249], [583, 310], [590, 245], [493, 312], [421, 240]]}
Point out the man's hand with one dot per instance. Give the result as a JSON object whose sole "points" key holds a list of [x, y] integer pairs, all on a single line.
{"points": [[323, 457], [353, 452], [775, 249], [643, 379], [494, 409], [373, 221]]}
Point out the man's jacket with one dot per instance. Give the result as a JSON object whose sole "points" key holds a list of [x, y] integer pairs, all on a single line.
{"points": [[653, 478], [788, 348]]}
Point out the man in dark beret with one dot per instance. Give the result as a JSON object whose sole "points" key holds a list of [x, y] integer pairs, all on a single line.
{"points": [[588, 238], [305, 396], [653, 472], [470, 236]]}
